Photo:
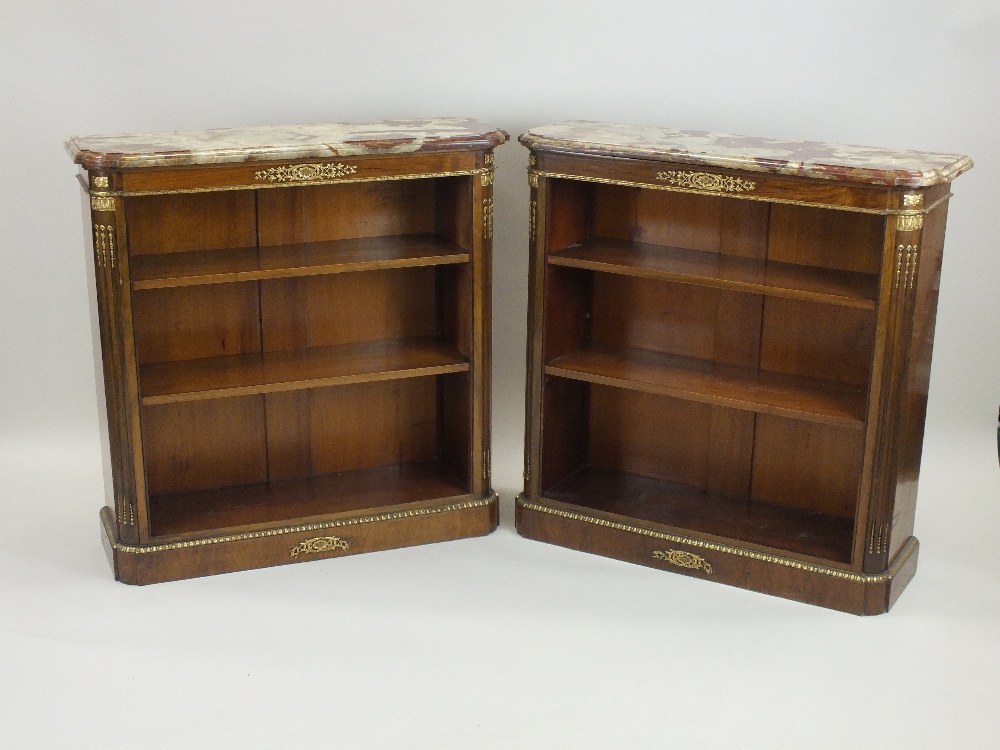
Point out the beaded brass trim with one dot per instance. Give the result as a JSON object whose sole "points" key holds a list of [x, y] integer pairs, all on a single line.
{"points": [[741, 196], [394, 516], [319, 544], [305, 172], [787, 562], [683, 559], [352, 179], [532, 219], [706, 181]]}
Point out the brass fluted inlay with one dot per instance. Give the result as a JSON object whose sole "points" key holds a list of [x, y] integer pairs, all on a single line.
{"points": [[487, 218], [787, 562], [532, 219], [376, 518], [305, 172], [683, 559], [712, 183], [319, 544], [909, 222]]}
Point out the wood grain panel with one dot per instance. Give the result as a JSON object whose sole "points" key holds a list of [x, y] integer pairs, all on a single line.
{"points": [[567, 310], [194, 322], [453, 219], [199, 221], [288, 432], [564, 432], [338, 212], [348, 308], [817, 341], [567, 204], [843, 240], [648, 314], [204, 444], [693, 222], [810, 466], [649, 435], [373, 424]]}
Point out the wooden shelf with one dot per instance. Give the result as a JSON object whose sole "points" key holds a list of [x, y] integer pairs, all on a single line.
{"points": [[697, 380], [282, 261], [722, 271], [246, 374], [301, 499], [687, 508]]}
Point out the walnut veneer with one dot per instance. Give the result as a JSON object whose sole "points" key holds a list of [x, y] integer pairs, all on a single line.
{"points": [[728, 355], [292, 330]]}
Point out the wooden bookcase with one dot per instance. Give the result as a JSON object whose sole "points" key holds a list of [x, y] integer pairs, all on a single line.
{"points": [[728, 355], [292, 330]]}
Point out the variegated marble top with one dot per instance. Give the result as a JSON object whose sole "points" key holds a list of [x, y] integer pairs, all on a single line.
{"points": [[281, 142], [879, 166]]}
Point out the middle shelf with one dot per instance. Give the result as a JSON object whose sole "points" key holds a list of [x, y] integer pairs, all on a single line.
{"points": [[270, 372], [803, 398], [771, 278], [166, 270]]}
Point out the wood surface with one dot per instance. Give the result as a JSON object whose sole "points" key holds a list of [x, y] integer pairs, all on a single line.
{"points": [[756, 358], [288, 338]]}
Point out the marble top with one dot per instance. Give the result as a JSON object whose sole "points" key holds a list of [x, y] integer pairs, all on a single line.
{"points": [[878, 166], [281, 142]]}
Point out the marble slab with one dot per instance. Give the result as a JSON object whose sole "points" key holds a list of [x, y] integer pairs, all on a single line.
{"points": [[281, 142], [859, 164]]}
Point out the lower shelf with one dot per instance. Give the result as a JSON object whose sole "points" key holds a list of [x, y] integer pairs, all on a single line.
{"points": [[687, 508], [276, 502]]}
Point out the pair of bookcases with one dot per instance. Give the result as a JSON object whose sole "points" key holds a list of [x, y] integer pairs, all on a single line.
{"points": [[727, 357]]}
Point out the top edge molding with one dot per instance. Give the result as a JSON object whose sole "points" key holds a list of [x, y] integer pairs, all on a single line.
{"points": [[282, 143], [813, 159]]}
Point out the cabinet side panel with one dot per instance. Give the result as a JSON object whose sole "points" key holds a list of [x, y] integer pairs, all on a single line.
{"points": [[97, 342], [567, 213], [928, 279], [564, 429]]}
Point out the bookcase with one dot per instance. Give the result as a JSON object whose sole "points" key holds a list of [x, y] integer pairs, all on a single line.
{"points": [[728, 355], [292, 327]]}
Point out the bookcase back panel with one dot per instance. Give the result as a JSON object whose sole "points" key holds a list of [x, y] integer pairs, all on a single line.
{"points": [[372, 424], [844, 240], [192, 322], [807, 465], [345, 211], [204, 444], [391, 304], [184, 222], [817, 341], [690, 321], [694, 222]]}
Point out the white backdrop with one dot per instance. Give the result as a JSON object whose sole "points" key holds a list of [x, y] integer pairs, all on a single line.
{"points": [[496, 642]]}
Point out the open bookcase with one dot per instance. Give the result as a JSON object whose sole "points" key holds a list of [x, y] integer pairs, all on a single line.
{"points": [[294, 352], [727, 368]]}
